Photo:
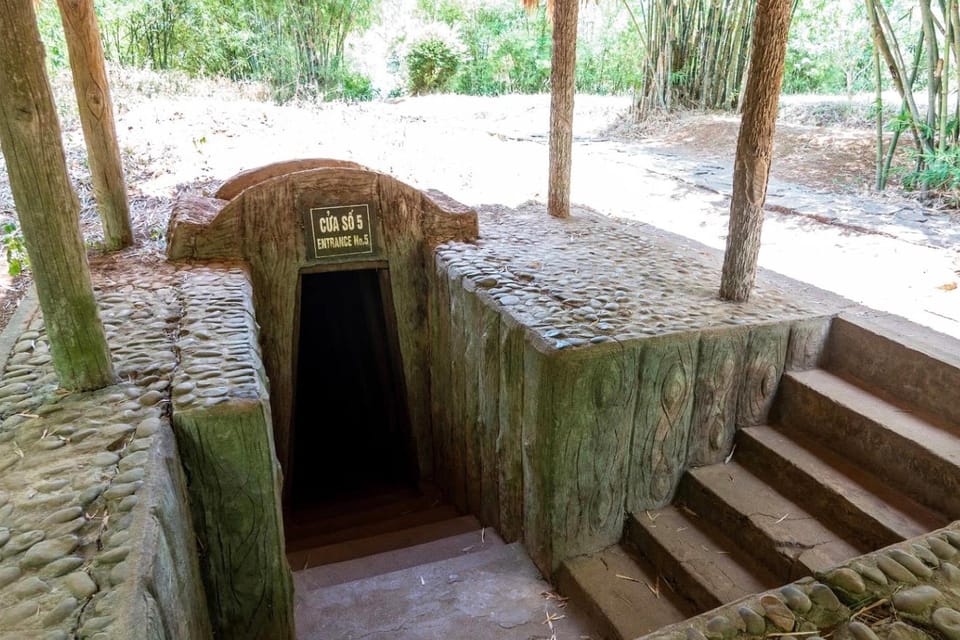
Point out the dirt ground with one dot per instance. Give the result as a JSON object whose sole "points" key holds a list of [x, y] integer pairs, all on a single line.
{"points": [[179, 135]]}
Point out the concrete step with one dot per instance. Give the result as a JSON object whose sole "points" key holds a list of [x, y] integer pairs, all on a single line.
{"points": [[921, 458], [298, 540], [704, 565], [492, 594], [788, 540], [403, 558], [903, 360], [451, 525], [622, 595], [351, 515], [833, 488]]}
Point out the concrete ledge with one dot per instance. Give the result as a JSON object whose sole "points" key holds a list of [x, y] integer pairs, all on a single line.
{"points": [[164, 596], [29, 306], [221, 416]]}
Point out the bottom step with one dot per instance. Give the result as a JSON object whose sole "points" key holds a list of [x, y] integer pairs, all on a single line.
{"points": [[399, 539], [494, 594], [623, 595]]}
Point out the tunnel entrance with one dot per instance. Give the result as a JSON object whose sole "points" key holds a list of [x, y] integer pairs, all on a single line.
{"points": [[351, 433]]}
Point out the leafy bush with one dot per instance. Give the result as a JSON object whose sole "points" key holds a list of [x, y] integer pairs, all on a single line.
{"points": [[431, 65], [507, 51], [14, 248], [941, 172], [355, 87]]}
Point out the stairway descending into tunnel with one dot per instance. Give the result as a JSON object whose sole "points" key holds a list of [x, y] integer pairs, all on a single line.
{"points": [[401, 563], [859, 454]]}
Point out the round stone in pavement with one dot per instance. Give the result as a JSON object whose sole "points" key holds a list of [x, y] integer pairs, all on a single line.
{"points": [[80, 584], [947, 622], [43, 553]]}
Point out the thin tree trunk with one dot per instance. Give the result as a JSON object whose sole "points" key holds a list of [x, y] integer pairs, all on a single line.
{"points": [[879, 102], [562, 89], [904, 110], [891, 54], [96, 116], [933, 78], [945, 83], [954, 18], [755, 148], [47, 207]]}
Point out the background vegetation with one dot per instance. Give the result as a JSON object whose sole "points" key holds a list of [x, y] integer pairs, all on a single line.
{"points": [[669, 54]]}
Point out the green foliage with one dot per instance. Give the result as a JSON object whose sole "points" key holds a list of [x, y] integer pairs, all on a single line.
{"points": [[297, 46], [830, 49], [431, 65], [507, 51], [51, 33], [14, 249], [940, 171], [353, 86], [610, 62]]}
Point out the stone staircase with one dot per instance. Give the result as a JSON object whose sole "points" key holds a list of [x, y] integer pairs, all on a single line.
{"points": [[857, 455], [404, 565]]}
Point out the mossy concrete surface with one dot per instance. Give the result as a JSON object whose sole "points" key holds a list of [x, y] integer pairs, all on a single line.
{"points": [[221, 415], [580, 366]]}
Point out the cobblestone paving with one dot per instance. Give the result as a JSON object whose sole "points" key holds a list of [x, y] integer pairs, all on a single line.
{"points": [[590, 279], [908, 591], [72, 466], [218, 362]]}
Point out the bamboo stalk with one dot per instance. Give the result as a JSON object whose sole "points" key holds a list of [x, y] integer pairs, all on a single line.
{"points": [[879, 103]]}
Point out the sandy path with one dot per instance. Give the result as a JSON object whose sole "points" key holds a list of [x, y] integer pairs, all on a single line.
{"points": [[493, 150]]}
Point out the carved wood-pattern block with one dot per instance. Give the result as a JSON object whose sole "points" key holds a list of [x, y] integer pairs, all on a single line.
{"points": [[766, 354], [234, 482], [403, 243], [808, 339], [582, 447], [510, 435], [667, 377], [235, 185], [488, 410], [471, 359], [457, 429], [713, 423], [535, 444], [274, 255], [262, 224], [190, 217], [446, 220], [439, 292]]}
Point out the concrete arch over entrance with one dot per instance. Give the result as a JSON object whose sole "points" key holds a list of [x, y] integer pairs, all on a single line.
{"points": [[317, 215]]}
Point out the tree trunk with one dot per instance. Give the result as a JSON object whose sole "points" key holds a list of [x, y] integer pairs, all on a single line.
{"points": [[755, 148], [878, 100], [47, 207], [96, 116], [562, 89]]}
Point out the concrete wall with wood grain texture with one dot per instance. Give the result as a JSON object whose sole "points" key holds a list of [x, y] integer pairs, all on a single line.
{"points": [[554, 446], [263, 226]]}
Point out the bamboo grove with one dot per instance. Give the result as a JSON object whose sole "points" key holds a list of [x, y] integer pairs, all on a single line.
{"points": [[695, 53], [933, 122]]}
